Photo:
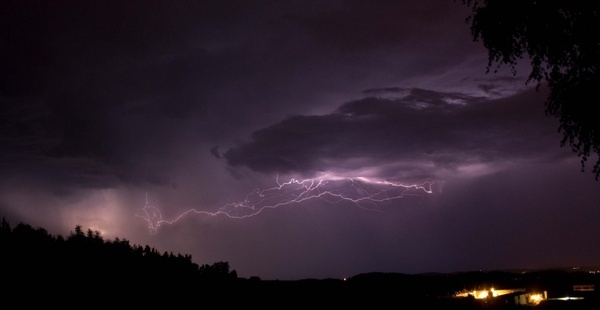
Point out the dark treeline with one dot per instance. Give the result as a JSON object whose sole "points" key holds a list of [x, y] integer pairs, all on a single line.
{"points": [[33, 260], [83, 269]]}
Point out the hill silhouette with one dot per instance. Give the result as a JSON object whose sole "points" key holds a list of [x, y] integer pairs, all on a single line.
{"points": [[83, 268]]}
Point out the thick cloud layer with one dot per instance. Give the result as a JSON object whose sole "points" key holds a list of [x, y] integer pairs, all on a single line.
{"points": [[421, 134]]}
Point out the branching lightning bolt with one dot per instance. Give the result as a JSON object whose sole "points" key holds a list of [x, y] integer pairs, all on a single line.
{"points": [[365, 193]]}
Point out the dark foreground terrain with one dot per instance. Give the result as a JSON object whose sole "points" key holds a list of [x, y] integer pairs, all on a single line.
{"points": [[367, 291], [425, 291], [83, 270]]}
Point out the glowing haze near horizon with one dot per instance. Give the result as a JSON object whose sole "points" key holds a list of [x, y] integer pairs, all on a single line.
{"points": [[295, 139]]}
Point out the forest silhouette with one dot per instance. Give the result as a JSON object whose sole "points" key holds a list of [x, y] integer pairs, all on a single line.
{"points": [[84, 263], [84, 268]]}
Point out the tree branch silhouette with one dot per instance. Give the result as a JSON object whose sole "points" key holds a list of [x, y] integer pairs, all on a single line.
{"points": [[560, 39]]}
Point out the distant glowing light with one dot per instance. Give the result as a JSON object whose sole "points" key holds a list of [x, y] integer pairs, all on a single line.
{"points": [[366, 193], [531, 298], [568, 298], [536, 298], [484, 294]]}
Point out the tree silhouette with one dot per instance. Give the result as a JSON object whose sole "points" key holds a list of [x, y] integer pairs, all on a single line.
{"points": [[34, 259], [560, 39]]}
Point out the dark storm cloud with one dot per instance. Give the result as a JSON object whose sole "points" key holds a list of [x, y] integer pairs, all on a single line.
{"points": [[106, 84], [499, 85], [89, 91], [419, 134], [423, 97], [356, 25], [383, 90], [46, 40], [69, 141]]}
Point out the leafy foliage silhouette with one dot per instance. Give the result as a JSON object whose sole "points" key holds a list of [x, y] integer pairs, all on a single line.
{"points": [[559, 38]]}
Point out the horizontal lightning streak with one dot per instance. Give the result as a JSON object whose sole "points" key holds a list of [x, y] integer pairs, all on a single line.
{"points": [[364, 192]]}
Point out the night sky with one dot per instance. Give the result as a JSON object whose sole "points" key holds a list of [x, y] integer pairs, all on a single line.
{"points": [[403, 154]]}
